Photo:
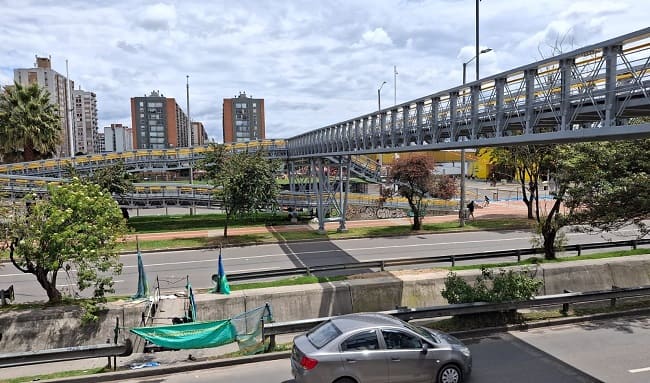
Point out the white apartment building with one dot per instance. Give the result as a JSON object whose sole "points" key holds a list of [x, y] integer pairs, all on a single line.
{"points": [[43, 75], [85, 121], [118, 138]]}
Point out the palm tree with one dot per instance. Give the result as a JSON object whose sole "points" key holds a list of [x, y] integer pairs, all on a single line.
{"points": [[29, 124]]}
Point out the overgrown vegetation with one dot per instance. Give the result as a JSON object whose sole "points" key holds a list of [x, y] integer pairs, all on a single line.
{"points": [[493, 287], [243, 182], [74, 230]]}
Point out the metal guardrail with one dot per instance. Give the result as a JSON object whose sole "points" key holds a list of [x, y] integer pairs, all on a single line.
{"points": [[273, 329], [383, 264], [64, 354]]}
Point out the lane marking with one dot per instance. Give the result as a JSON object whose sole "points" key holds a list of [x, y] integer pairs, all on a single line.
{"points": [[639, 370]]}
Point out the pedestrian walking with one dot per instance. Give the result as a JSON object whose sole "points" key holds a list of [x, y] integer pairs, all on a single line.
{"points": [[470, 207], [487, 200]]}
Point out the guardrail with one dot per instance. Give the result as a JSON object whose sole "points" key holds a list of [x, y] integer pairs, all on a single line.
{"points": [[386, 263], [64, 354], [407, 314]]}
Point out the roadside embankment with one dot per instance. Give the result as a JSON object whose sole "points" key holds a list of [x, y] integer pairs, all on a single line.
{"points": [[36, 329]]}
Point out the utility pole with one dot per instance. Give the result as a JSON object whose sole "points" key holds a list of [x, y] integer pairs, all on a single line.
{"points": [[395, 84], [189, 137]]}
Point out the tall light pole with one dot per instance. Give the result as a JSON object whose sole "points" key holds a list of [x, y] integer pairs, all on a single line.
{"points": [[395, 83], [461, 214], [379, 96], [381, 162], [189, 135]]}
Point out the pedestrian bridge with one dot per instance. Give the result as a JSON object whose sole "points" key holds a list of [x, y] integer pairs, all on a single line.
{"points": [[598, 92], [592, 93]]}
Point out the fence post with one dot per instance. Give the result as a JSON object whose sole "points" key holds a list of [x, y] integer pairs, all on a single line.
{"points": [[453, 261], [308, 270], [565, 306], [518, 255], [634, 244], [579, 250], [117, 331], [108, 341], [382, 267], [612, 302]]}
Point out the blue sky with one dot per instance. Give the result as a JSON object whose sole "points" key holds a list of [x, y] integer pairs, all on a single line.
{"points": [[314, 63]]}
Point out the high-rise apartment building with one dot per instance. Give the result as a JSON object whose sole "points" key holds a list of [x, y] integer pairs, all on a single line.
{"points": [[243, 119], [199, 135], [85, 121], [118, 138], [100, 144], [158, 122], [43, 75]]}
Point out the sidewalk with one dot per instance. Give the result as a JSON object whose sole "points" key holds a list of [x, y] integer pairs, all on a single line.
{"points": [[494, 210]]}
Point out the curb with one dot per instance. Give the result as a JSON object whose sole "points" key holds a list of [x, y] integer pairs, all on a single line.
{"points": [[147, 372], [131, 374]]}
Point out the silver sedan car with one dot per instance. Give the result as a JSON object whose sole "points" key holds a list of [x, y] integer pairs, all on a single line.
{"points": [[373, 348]]}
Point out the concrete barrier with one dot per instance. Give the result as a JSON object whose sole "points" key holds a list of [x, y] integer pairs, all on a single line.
{"points": [[37, 329]]}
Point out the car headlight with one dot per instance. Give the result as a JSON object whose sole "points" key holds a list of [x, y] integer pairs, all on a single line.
{"points": [[464, 350]]}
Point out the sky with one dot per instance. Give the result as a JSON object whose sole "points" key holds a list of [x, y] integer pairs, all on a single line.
{"points": [[315, 63]]}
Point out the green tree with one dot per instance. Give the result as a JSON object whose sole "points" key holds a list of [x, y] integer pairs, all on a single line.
{"points": [[600, 184], [116, 180], [529, 163], [415, 180], [243, 182], [76, 228], [29, 124]]}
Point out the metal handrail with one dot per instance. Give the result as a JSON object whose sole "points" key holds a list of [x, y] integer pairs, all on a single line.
{"points": [[382, 264], [64, 354], [279, 328]]}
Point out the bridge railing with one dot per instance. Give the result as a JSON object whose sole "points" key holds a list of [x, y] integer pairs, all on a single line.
{"points": [[408, 314], [598, 86]]}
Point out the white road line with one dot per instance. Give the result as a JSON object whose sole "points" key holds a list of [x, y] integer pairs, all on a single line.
{"points": [[645, 369]]}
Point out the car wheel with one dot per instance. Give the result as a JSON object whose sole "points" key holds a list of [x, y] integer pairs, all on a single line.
{"points": [[449, 374], [345, 380]]}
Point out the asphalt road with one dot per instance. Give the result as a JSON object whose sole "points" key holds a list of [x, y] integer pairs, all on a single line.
{"points": [[172, 268], [498, 359], [613, 350]]}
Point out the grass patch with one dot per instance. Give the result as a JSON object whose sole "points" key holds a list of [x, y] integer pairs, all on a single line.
{"points": [[301, 280], [57, 375], [541, 260]]}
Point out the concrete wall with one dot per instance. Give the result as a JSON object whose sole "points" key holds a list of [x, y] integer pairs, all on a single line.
{"points": [[37, 329]]}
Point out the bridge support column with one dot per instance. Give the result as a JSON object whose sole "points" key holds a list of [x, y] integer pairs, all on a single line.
{"points": [[344, 187], [319, 186], [611, 55]]}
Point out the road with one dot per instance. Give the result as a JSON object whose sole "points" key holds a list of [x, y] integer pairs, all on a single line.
{"points": [[173, 267], [501, 358], [613, 350]]}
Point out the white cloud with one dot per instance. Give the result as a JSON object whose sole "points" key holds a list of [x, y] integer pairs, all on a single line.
{"points": [[314, 63], [377, 36], [158, 17]]}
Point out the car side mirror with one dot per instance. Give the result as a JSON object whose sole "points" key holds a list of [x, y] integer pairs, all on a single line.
{"points": [[425, 348]]}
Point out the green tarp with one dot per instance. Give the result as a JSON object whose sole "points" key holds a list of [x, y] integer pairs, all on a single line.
{"points": [[190, 335]]}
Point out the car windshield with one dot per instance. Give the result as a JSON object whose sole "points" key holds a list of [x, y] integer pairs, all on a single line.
{"points": [[424, 333], [323, 334]]}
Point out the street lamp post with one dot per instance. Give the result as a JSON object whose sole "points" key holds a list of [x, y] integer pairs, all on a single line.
{"points": [[462, 151], [379, 117], [189, 135], [379, 96]]}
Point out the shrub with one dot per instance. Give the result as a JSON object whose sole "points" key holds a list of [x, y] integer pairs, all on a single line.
{"points": [[492, 287]]}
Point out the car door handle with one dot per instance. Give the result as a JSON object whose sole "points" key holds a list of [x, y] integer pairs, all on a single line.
{"points": [[351, 360], [395, 359]]}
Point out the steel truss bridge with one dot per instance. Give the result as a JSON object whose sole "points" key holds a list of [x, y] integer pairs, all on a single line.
{"points": [[592, 93]]}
